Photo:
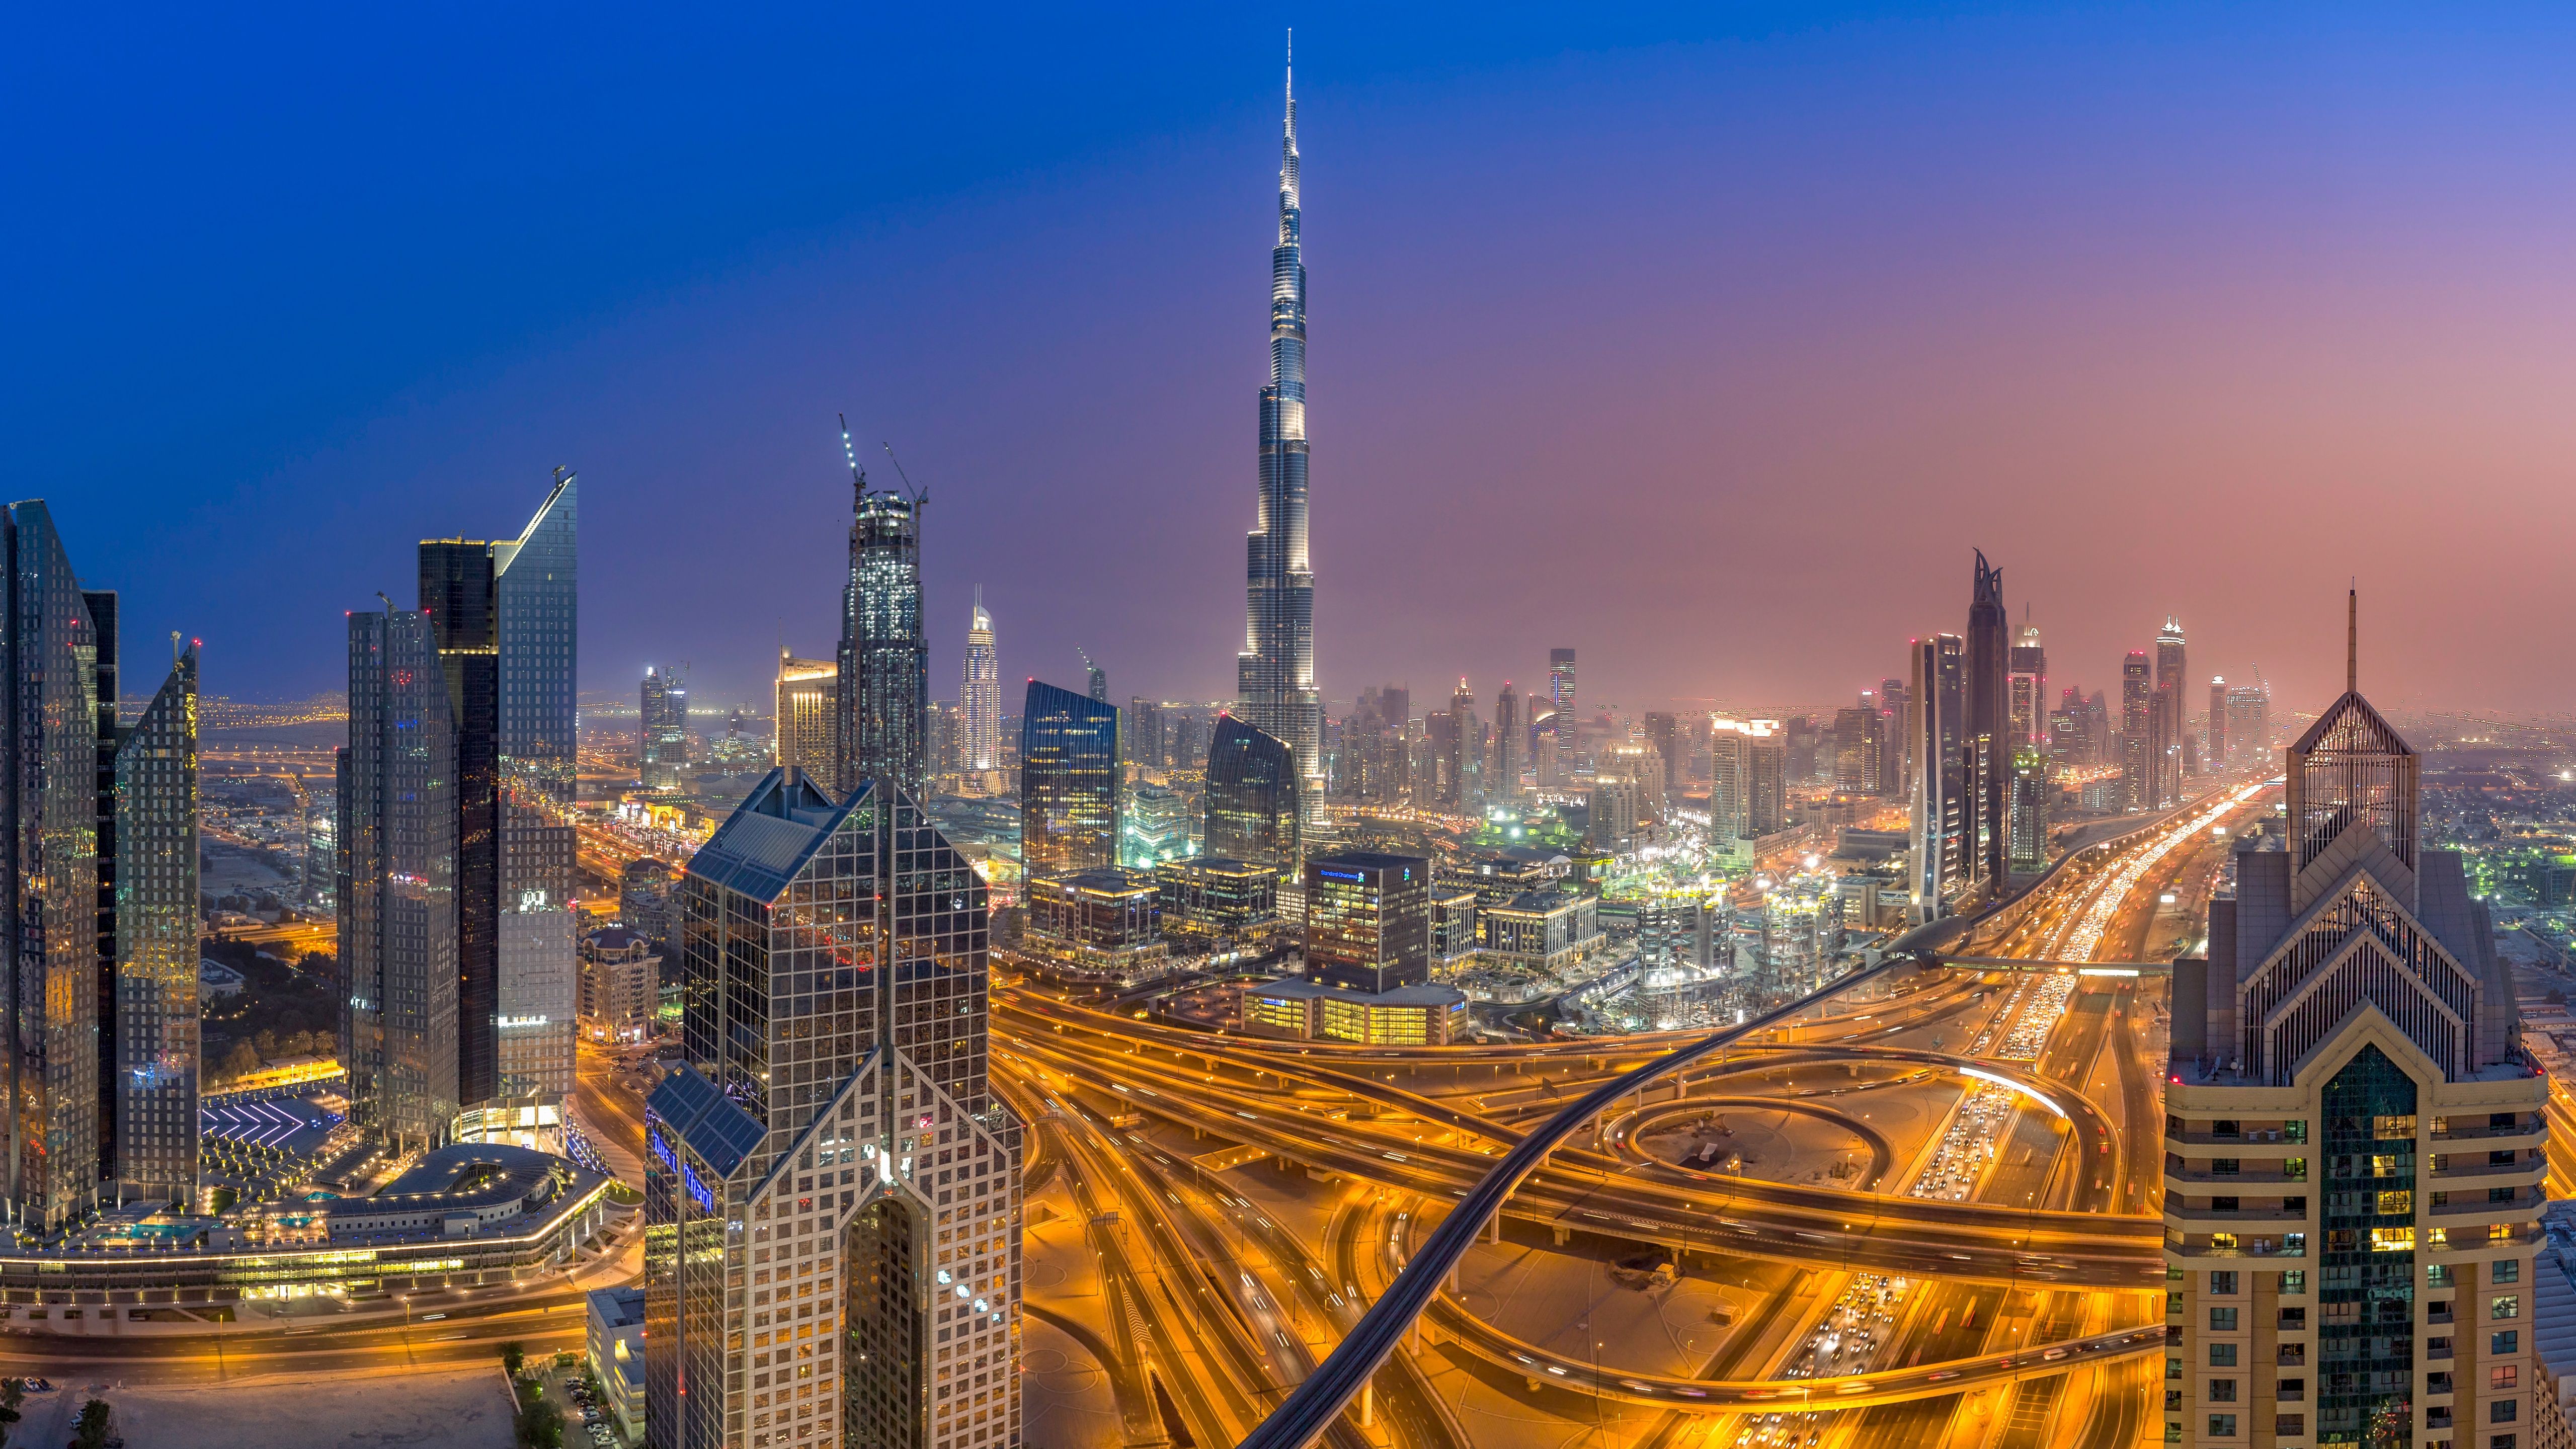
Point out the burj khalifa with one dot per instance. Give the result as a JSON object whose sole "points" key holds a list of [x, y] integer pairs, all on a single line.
{"points": [[1276, 672]]}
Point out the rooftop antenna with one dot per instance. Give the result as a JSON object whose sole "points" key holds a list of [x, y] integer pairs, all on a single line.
{"points": [[2352, 639], [389, 604], [920, 495], [849, 450]]}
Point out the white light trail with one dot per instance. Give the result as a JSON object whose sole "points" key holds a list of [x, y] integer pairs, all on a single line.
{"points": [[2115, 889]]}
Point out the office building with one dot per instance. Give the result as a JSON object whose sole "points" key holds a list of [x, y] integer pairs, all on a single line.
{"points": [[1214, 899], [153, 1041], [1985, 745], [537, 623], [2355, 1142], [809, 693], [399, 1036], [1511, 758], [831, 1128], [1546, 929], [1936, 843], [2027, 810], [1068, 782], [1153, 827], [1254, 809], [1368, 921], [1417, 1015], [646, 889], [1275, 675], [1560, 697], [620, 985], [1102, 924], [614, 1336], [664, 763], [883, 730]]}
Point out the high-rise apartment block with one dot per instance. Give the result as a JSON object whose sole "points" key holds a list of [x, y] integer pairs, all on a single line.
{"points": [[2137, 733], [832, 1196], [2026, 686], [809, 692], [979, 696], [1748, 779], [153, 1039], [2354, 1141], [2249, 727], [2213, 754], [664, 727], [1937, 842], [1511, 750], [1068, 782]]}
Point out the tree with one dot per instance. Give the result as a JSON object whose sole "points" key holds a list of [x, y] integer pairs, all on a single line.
{"points": [[89, 1431], [13, 1392], [241, 1061], [514, 1356]]}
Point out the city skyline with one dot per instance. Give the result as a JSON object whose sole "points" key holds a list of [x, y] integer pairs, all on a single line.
{"points": [[1152, 204]]}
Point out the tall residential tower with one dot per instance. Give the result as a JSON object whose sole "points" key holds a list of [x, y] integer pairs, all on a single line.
{"points": [[1276, 673], [979, 696]]}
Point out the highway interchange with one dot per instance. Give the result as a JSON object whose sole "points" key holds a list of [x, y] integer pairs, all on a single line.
{"points": [[2026, 1314]]}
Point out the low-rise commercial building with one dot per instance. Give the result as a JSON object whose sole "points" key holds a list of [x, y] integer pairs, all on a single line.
{"points": [[1215, 899], [1417, 1015]]}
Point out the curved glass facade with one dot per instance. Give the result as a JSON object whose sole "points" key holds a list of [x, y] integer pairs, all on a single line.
{"points": [[1068, 782], [1253, 799]]}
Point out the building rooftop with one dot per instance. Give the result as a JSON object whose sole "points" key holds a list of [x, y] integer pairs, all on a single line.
{"points": [[617, 1307], [1295, 988]]}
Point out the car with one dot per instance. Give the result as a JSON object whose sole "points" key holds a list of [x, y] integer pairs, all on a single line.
{"points": [[1940, 1376]]}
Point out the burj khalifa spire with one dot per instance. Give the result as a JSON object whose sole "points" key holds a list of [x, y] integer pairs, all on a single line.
{"points": [[1276, 671]]}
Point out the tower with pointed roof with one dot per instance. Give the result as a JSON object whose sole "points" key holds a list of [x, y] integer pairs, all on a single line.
{"points": [[2354, 1141], [1275, 674]]}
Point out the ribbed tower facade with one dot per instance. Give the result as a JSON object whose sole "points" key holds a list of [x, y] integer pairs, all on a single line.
{"points": [[1276, 673]]}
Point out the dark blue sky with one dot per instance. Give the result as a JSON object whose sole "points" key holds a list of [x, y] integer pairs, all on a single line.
{"points": [[1707, 343]]}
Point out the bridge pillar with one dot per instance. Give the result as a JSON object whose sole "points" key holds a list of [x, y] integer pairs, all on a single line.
{"points": [[1368, 1403], [1563, 1233]]}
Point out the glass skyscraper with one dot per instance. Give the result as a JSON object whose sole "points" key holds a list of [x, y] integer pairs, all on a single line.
{"points": [[884, 725], [156, 1040], [1275, 674], [1068, 782], [1254, 807], [456, 597], [505, 619], [832, 1243], [537, 598], [50, 864], [398, 914]]}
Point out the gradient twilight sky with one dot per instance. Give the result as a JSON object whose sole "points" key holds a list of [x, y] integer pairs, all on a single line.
{"points": [[1708, 341]]}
